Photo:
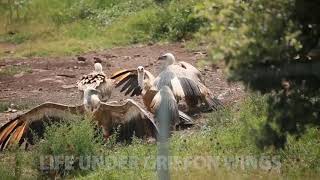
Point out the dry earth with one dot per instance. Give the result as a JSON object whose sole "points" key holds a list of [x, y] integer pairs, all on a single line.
{"points": [[53, 79]]}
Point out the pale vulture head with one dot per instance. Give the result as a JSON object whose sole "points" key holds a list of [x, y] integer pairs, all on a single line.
{"points": [[91, 100], [168, 58], [97, 67]]}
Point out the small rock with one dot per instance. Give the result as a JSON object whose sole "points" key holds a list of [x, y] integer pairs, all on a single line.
{"points": [[81, 59], [45, 79], [109, 56], [10, 110], [39, 70], [19, 75], [9, 52], [136, 55], [127, 57], [97, 60], [18, 64], [68, 86], [11, 33], [108, 64], [75, 67], [59, 81]]}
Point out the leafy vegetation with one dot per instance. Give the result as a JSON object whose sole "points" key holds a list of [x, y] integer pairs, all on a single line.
{"points": [[269, 46], [228, 136], [13, 70], [70, 27], [20, 105], [74, 139]]}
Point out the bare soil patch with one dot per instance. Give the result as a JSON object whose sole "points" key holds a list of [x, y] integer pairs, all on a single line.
{"points": [[53, 79]]}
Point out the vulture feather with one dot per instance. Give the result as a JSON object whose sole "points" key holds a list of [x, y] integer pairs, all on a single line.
{"points": [[142, 80], [97, 80], [183, 81], [196, 94], [127, 117]]}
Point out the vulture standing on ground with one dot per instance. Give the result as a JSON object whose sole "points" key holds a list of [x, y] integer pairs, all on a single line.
{"points": [[96, 80], [127, 117], [182, 68], [184, 81], [195, 93], [140, 82]]}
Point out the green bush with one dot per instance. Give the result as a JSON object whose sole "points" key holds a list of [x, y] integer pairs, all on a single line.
{"points": [[75, 139], [266, 45], [176, 21]]}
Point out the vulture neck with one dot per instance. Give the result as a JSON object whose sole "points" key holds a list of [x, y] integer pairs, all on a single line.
{"points": [[98, 68], [169, 61], [141, 79], [91, 100]]}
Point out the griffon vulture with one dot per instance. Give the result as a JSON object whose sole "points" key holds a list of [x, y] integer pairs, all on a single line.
{"points": [[196, 95], [96, 80], [140, 82], [127, 117], [181, 68]]}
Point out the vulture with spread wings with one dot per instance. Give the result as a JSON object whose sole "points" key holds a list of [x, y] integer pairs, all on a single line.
{"points": [[141, 82], [181, 68], [96, 80], [185, 84], [128, 118]]}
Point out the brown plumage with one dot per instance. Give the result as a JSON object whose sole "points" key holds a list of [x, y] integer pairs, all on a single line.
{"points": [[196, 94], [184, 87], [181, 68], [141, 81], [128, 117], [97, 80]]}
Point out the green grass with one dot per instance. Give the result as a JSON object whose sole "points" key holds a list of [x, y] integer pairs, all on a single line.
{"points": [[56, 27], [13, 70], [227, 136], [19, 105]]}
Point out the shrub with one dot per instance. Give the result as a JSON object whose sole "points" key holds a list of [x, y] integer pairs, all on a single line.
{"points": [[75, 139], [176, 21], [266, 45]]}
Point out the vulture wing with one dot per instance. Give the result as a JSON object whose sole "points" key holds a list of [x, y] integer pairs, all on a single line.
{"points": [[211, 102], [165, 103], [164, 100], [190, 68], [25, 125], [128, 118], [129, 80], [181, 86], [188, 87]]}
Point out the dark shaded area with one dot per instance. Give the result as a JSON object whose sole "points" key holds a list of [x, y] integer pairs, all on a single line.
{"points": [[292, 80]]}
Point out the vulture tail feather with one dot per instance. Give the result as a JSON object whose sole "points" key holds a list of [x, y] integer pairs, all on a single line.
{"points": [[214, 104], [185, 119]]}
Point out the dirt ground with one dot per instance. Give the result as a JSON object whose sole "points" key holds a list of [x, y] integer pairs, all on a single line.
{"points": [[53, 79]]}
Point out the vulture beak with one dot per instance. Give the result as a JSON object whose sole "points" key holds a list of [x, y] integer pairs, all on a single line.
{"points": [[163, 57]]}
